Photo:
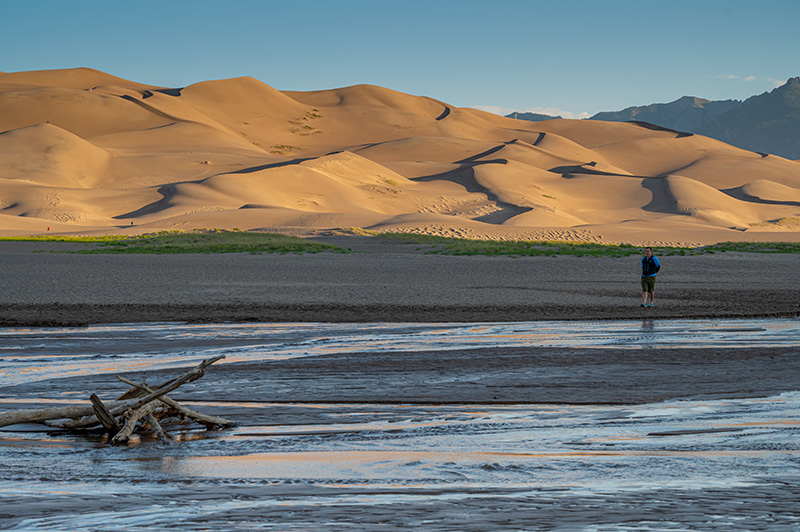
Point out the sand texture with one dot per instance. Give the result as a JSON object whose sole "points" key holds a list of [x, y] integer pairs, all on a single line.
{"points": [[82, 151], [380, 281]]}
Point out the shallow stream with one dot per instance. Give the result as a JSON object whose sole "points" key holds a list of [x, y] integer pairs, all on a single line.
{"points": [[712, 464]]}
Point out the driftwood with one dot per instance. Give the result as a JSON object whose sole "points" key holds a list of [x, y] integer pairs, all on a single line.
{"points": [[141, 406], [156, 428], [208, 421], [133, 404], [103, 415], [38, 415], [132, 417]]}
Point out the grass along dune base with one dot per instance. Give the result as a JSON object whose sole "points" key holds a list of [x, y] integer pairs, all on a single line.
{"points": [[207, 241], [221, 241]]}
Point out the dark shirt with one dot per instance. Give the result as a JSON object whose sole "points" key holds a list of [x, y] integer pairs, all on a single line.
{"points": [[650, 266]]}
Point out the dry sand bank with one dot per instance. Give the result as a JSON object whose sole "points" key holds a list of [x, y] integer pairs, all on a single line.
{"points": [[383, 282]]}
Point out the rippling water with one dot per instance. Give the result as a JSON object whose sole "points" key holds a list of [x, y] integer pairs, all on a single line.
{"points": [[724, 464], [36, 354]]}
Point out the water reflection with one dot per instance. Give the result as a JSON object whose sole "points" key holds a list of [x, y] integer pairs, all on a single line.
{"points": [[36, 354], [709, 464]]}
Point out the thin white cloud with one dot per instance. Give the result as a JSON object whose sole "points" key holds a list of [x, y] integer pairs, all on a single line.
{"points": [[551, 111], [734, 76], [777, 82]]}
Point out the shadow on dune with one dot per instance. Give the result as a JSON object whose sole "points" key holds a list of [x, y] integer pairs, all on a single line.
{"points": [[170, 92], [569, 170], [151, 109], [662, 200], [516, 142], [281, 164], [476, 158], [465, 176], [654, 127], [739, 194], [167, 192]]}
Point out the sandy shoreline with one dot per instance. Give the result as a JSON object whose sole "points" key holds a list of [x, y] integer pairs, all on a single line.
{"points": [[323, 439], [381, 282]]}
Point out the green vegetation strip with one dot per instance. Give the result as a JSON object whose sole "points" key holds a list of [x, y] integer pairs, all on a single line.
{"points": [[521, 248], [219, 241], [208, 241]]}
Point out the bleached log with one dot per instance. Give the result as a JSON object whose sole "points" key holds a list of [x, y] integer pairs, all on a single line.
{"points": [[204, 419], [135, 393], [89, 419], [190, 376], [38, 415], [132, 417]]}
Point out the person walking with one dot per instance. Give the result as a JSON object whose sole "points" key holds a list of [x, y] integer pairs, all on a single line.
{"points": [[650, 267]]}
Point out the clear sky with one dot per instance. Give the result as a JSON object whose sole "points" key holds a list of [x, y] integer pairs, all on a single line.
{"points": [[569, 57]]}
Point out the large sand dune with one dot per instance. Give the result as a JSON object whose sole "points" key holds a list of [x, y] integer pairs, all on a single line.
{"points": [[82, 151]]}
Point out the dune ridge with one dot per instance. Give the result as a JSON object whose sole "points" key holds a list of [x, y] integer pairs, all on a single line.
{"points": [[82, 151]]}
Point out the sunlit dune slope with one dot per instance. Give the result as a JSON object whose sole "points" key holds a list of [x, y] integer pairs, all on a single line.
{"points": [[81, 150]]}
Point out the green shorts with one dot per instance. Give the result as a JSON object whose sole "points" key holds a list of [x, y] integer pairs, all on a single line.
{"points": [[648, 284]]}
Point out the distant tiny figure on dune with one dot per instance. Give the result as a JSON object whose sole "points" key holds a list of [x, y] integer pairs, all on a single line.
{"points": [[650, 267]]}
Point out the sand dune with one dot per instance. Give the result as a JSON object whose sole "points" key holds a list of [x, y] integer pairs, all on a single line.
{"points": [[47, 155], [84, 151], [771, 191], [707, 203]]}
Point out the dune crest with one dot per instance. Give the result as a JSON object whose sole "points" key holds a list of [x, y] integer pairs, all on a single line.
{"points": [[47, 155], [85, 151]]}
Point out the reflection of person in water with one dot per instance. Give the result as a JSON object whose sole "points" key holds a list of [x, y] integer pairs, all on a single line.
{"points": [[650, 267]]}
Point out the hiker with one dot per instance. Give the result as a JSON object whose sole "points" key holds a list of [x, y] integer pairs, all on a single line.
{"points": [[650, 267]]}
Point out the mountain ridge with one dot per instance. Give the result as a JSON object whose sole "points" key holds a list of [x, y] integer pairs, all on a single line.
{"points": [[763, 123]]}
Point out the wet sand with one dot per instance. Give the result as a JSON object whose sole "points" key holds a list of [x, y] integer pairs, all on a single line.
{"points": [[472, 439], [428, 439], [533, 375], [380, 282]]}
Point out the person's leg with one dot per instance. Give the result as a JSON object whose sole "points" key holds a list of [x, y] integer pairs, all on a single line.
{"points": [[652, 290], [648, 285]]}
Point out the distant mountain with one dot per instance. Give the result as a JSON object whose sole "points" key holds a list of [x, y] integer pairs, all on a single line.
{"points": [[768, 123], [531, 117], [687, 114]]}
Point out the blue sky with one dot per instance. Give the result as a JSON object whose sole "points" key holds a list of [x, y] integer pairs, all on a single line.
{"points": [[566, 57]]}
